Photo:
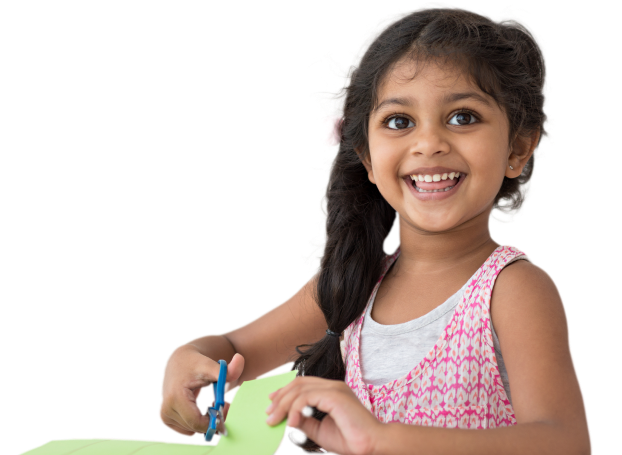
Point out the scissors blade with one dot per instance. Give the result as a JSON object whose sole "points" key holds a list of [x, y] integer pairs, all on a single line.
{"points": [[221, 422]]}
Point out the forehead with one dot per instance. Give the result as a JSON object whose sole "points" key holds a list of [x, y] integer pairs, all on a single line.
{"points": [[408, 73], [429, 80]]}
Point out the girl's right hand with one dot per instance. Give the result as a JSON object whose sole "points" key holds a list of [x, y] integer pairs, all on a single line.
{"points": [[186, 373]]}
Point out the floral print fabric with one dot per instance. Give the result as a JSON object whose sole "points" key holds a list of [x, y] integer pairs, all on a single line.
{"points": [[457, 384]]}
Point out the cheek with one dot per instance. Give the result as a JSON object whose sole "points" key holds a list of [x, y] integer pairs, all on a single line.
{"points": [[385, 156], [375, 158]]}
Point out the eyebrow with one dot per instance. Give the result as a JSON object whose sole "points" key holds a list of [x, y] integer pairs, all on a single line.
{"points": [[450, 98]]}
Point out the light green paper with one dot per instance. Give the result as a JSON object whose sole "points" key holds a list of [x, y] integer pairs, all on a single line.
{"points": [[248, 432]]}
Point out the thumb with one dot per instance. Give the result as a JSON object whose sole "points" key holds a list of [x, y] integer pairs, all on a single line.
{"points": [[234, 370]]}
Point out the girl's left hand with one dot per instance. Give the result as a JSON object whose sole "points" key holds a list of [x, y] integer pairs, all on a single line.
{"points": [[349, 428]]}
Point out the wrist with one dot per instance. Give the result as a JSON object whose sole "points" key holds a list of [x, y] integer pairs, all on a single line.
{"points": [[386, 438], [381, 434]]}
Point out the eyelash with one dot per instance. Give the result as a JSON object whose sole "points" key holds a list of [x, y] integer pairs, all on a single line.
{"points": [[399, 114]]}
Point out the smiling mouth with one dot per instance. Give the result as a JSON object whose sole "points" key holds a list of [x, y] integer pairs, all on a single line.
{"points": [[440, 190]]}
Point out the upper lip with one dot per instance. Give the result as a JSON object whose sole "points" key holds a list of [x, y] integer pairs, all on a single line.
{"points": [[433, 170]]}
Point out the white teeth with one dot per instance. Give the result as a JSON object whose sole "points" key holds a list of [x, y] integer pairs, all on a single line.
{"points": [[435, 177]]}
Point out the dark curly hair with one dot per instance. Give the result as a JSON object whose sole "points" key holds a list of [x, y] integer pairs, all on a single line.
{"points": [[504, 61]]}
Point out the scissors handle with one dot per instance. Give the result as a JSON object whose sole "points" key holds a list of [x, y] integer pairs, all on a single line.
{"points": [[216, 412]]}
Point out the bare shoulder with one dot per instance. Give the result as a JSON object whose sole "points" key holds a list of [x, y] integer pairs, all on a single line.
{"points": [[521, 289], [529, 319]]}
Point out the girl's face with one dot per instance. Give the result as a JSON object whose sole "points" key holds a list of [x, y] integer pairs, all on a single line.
{"points": [[433, 127]]}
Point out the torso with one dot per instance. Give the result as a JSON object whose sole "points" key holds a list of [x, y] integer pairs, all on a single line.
{"points": [[397, 303], [403, 297]]}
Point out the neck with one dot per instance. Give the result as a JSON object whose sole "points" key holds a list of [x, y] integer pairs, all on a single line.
{"points": [[424, 252]]}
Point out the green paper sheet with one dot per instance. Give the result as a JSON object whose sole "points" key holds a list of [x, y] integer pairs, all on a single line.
{"points": [[248, 432]]}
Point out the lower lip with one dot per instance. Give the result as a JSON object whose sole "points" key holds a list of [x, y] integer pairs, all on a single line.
{"points": [[438, 196]]}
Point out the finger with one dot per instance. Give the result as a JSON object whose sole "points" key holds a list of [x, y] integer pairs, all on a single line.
{"points": [[173, 424], [301, 422], [177, 424], [187, 415], [234, 371], [274, 396], [299, 410], [281, 404], [204, 372], [278, 394]]}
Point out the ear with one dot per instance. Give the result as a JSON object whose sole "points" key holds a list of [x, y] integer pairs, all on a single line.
{"points": [[521, 150], [367, 163]]}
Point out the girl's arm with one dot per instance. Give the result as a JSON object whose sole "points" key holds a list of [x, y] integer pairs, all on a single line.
{"points": [[268, 341], [527, 438], [264, 344], [529, 318]]}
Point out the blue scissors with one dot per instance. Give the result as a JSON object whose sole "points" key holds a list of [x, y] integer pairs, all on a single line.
{"points": [[216, 412]]}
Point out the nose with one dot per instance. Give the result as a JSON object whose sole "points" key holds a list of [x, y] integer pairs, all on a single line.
{"points": [[430, 140]]}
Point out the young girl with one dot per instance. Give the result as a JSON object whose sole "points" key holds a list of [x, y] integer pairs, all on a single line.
{"points": [[400, 354]]}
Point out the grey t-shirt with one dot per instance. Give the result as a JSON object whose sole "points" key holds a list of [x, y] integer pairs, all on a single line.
{"points": [[389, 352]]}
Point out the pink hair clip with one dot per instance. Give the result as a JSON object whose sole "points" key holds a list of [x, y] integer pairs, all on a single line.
{"points": [[333, 126]]}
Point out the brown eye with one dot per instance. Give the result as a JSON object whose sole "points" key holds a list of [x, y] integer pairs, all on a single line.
{"points": [[462, 118], [399, 123]]}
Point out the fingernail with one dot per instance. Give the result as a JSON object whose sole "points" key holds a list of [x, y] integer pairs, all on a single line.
{"points": [[269, 409]]}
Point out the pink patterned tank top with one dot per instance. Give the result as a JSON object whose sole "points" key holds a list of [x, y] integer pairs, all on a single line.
{"points": [[457, 384]]}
